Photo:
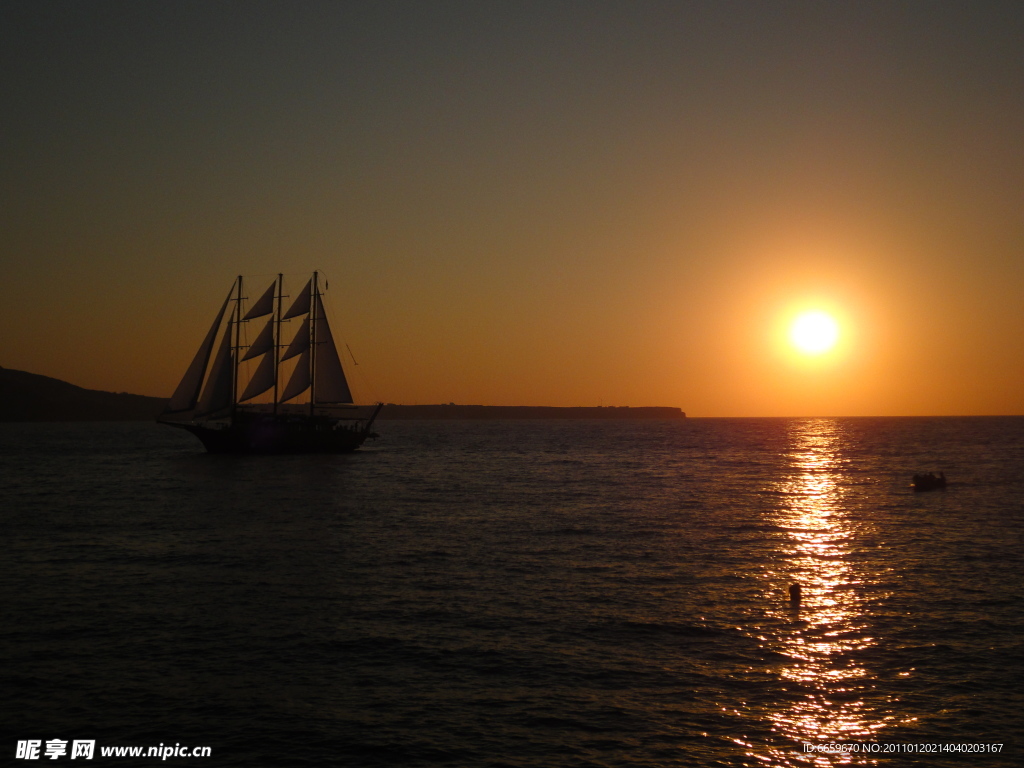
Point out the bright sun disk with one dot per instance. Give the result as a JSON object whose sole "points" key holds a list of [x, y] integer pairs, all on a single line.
{"points": [[814, 332]]}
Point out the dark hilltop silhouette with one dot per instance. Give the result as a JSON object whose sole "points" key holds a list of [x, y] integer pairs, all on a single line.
{"points": [[30, 397]]}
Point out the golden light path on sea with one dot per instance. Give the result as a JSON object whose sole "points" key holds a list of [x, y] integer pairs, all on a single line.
{"points": [[826, 635]]}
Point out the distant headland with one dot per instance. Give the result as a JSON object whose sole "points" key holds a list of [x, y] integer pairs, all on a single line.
{"points": [[452, 411], [31, 397]]}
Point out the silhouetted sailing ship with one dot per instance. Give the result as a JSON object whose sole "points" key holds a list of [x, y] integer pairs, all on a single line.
{"points": [[207, 401]]}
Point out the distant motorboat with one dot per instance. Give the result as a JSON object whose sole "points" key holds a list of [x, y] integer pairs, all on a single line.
{"points": [[930, 482]]}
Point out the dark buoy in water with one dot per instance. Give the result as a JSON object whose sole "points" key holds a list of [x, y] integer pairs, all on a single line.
{"points": [[794, 594]]}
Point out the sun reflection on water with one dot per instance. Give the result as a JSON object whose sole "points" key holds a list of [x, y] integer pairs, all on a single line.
{"points": [[826, 636]]}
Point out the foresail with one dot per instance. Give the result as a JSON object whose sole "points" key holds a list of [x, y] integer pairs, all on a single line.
{"points": [[262, 380], [217, 394], [300, 380], [301, 304], [187, 393], [330, 383], [300, 343], [264, 306], [264, 342]]}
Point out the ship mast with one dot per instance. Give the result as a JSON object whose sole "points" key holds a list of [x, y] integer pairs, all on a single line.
{"points": [[277, 338], [312, 345], [234, 371]]}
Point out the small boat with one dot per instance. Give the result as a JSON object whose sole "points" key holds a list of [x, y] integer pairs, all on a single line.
{"points": [[930, 482], [212, 403]]}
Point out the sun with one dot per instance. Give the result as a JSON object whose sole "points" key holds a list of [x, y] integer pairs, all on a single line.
{"points": [[814, 333]]}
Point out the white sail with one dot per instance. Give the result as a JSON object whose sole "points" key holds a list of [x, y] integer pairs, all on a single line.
{"points": [[300, 380], [330, 385], [187, 393], [264, 342], [301, 304], [261, 381], [264, 306], [217, 393], [300, 343]]}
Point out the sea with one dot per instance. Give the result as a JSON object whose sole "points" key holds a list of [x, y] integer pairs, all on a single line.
{"points": [[513, 594]]}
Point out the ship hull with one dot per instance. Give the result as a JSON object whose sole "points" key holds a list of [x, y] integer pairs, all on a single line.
{"points": [[280, 436]]}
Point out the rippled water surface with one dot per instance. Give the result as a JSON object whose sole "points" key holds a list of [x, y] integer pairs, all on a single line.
{"points": [[514, 594]]}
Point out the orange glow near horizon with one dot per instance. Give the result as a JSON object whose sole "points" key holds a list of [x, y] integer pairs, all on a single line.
{"points": [[531, 230]]}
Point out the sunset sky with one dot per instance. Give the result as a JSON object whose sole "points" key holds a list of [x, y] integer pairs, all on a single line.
{"points": [[551, 203]]}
